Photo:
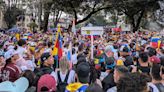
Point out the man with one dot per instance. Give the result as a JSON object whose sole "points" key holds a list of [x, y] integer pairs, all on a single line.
{"points": [[47, 62], [132, 82], [108, 81], [125, 57], [119, 72], [143, 65], [83, 75], [21, 47], [156, 84], [109, 54]]}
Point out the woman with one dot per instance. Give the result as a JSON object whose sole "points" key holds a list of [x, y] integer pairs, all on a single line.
{"points": [[63, 71], [10, 71], [2, 61]]}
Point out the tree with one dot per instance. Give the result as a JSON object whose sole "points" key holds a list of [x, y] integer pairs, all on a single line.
{"points": [[135, 10], [76, 8], [11, 14], [98, 20], [85, 8], [47, 5]]}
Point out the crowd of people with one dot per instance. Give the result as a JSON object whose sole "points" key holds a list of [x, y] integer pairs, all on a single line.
{"points": [[123, 62]]}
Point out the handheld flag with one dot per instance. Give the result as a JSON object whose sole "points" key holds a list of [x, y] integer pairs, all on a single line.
{"points": [[159, 44], [154, 42], [57, 51]]}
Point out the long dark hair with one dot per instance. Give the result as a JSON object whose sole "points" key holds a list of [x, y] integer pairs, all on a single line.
{"points": [[8, 61], [30, 76]]}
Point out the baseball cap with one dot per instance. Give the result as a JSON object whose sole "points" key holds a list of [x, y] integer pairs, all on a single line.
{"points": [[125, 48], [83, 70], [20, 85], [155, 59], [47, 81], [110, 63], [45, 56], [10, 53]]}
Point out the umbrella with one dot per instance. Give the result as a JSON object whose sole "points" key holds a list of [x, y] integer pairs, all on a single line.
{"points": [[14, 30]]}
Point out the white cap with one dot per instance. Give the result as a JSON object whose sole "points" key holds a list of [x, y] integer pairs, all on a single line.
{"points": [[10, 53], [20, 85]]}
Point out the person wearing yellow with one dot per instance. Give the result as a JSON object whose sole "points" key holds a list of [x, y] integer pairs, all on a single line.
{"points": [[125, 57], [83, 75]]}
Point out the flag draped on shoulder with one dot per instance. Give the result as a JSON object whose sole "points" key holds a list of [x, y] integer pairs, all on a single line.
{"points": [[57, 50]]}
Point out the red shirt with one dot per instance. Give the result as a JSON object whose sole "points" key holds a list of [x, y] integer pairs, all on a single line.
{"points": [[11, 72]]}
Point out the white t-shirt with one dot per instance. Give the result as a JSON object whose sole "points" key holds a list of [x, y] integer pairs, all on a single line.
{"points": [[113, 89], [71, 77], [47, 50], [21, 51], [155, 89], [74, 58]]}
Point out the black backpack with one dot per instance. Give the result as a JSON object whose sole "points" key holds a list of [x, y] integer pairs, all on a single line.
{"points": [[62, 84]]}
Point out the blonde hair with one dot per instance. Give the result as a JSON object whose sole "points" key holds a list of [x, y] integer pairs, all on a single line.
{"points": [[63, 64]]}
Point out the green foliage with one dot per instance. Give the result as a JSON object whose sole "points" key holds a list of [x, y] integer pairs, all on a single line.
{"points": [[11, 14], [135, 9], [98, 20], [32, 25]]}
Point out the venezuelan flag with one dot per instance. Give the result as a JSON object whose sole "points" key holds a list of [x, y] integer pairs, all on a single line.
{"points": [[155, 42], [57, 50]]}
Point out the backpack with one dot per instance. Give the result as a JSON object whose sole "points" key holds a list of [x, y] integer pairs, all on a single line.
{"points": [[160, 87], [62, 84]]}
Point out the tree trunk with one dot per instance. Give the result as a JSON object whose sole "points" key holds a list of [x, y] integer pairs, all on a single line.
{"points": [[46, 17], [136, 22], [58, 15], [47, 8], [40, 15]]}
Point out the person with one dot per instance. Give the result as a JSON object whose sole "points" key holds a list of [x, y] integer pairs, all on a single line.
{"points": [[2, 61], [125, 57], [30, 62], [10, 71], [108, 81], [94, 88], [48, 47], [143, 64], [119, 72], [46, 63], [81, 52], [74, 56], [21, 49], [31, 77], [132, 82], [109, 53], [83, 75], [162, 74], [154, 60], [64, 74], [152, 52], [46, 66], [156, 79], [46, 83]]}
